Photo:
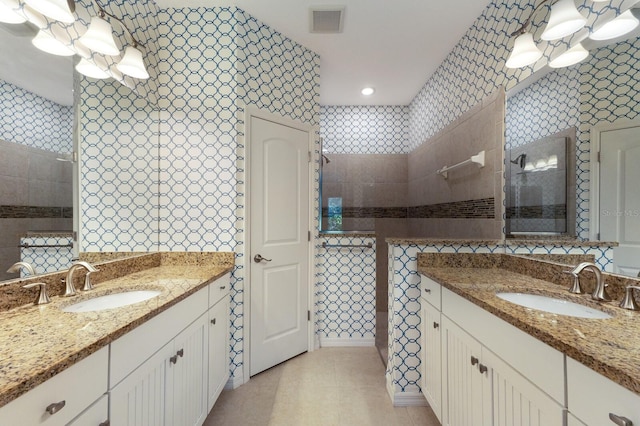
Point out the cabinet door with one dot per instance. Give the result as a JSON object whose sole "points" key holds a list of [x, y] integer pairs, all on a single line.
{"points": [[466, 390], [516, 401], [139, 400], [187, 376], [431, 367], [218, 349]]}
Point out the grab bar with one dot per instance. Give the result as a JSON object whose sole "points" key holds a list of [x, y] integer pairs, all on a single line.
{"points": [[27, 245], [325, 245]]}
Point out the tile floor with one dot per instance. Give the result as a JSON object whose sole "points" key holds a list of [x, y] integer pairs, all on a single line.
{"points": [[330, 386]]}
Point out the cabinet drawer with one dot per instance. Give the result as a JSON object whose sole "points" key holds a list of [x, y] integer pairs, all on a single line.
{"points": [[430, 291], [78, 386], [219, 289], [95, 415], [132, 349], [591, 397]]}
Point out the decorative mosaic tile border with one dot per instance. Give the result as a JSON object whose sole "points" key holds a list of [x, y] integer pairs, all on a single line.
{"points": [[471, 209], [556, 211], [368, 212], [35, 212]]}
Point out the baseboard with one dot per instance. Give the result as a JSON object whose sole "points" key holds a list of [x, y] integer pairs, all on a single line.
{"points": [[405, 399], [329, 342], [234, 383]]}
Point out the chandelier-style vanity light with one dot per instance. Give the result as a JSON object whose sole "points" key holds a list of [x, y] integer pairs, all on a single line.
{"points": [[98, 38], [564, 20]]}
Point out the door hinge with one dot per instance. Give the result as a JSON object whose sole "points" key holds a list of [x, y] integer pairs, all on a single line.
{"points": [[598, 156], [598, 236], [308, 315], [308, 235], [309, 152]]}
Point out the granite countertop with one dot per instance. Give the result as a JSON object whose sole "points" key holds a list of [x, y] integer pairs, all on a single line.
{"points": [[610, 347], [41, 341], [501, 242]]}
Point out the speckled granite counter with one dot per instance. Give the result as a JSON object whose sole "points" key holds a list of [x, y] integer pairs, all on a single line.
{"points": [[39, 342], [610, 347]]}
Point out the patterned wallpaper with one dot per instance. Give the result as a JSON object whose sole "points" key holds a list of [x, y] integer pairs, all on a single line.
{"points": [[32, 120], [345, 294], [365, 129]]}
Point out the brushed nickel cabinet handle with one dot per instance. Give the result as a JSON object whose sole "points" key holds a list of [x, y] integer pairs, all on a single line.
{"points": [[213, 321], [474, 360], [105, 423], [483, 368], [435, 325], [180, 353], [427, 290], [55, 407], [173, 359], [619, 420]]}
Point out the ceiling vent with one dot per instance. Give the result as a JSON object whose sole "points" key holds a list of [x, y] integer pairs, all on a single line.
{"points": [[326, 19]]}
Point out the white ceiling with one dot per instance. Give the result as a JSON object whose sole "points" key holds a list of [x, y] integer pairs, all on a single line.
{"points": [[393, 46]]}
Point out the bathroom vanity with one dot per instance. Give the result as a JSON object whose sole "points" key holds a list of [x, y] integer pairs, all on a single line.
{"points": [[491, 362], [161, 361]]}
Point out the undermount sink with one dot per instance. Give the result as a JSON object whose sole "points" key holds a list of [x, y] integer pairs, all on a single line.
{"points": [[553, 305], [111, 301]]}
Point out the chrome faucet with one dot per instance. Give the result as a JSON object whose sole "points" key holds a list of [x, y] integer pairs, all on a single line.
{"points": [[70, 289], [15, 268], [599, 292]]}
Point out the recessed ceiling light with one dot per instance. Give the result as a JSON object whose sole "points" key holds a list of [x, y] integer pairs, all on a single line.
{"points": [[368, 91]]}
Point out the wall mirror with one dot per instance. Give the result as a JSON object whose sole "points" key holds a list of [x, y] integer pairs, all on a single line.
{"points": [[36, 153], [540, 189]]}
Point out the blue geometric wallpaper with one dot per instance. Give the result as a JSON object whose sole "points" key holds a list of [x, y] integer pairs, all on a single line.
{"points": [[345, 295], [29, 119], [365, 129]]}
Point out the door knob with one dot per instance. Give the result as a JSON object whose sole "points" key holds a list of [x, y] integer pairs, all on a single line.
{"points": [[258, 258]]}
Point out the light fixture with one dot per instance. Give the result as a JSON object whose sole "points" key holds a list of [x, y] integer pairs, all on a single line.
{"points": [[368, 91], [564, 20], [132, 64], [617, 27], [525, 52], [9, 15], [48, 43], [99, 36], [89, 69], [572, 56], [60, 10]]}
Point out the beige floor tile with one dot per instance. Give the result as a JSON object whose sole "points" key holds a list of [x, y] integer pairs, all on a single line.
{"points": [[327, 387]]}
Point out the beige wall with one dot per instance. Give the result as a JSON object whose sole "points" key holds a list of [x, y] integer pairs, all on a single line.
{"points": [[481, 128]]}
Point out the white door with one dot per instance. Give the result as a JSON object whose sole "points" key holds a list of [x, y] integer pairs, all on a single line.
{"points": [[619, 196], [279, 194]]}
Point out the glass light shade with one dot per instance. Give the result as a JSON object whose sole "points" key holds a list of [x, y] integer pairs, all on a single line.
{"points": [[368, 91], [85, 67], [48, 43], [54, 9], [525, 52], [617, 27], [564, 20], [99, 37], [132, 64], [572, 56], [9, 16]]}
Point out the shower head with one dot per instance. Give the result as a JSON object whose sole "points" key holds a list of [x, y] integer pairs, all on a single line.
{"points": [[520, 160]]}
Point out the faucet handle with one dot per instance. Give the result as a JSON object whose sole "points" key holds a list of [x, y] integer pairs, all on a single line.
{"points": [[628, 301], [43, 297], [576, 288], [87, 280]]}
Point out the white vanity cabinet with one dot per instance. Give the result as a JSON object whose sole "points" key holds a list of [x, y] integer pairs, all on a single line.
{"points": [[96, 415], [592, 397], [66, 395], [430, 359], [170, 385], [218, 319], [487, 371]]}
